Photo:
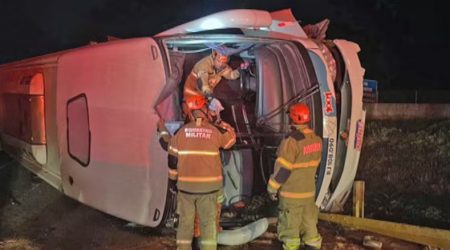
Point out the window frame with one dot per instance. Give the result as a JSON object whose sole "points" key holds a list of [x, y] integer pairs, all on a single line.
{"points": [[71, 100]]}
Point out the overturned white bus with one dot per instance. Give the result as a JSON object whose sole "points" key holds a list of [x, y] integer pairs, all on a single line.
{"points": [[84, 120]]}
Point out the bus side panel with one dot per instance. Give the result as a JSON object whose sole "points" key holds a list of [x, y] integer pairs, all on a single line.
{"points": [[111, 158]]}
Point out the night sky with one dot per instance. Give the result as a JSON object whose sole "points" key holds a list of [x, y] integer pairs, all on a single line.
{"points": [[405, 44]]}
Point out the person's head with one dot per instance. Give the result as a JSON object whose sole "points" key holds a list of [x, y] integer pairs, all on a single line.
{"points": [[299, 113], [220, 60], [196, 106]]}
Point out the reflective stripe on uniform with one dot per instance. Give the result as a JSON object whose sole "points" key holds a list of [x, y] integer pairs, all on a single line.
{"points": [[173, 172], [285, 163], [184, 242], [190, 152], [306, 164], [200, 179], [274, 184], [297, 195], [220, 198], [291, 240], [162, 133], [291, 243], [291, 166], [208, 242], [229, 143], [173, 149], [314, 242]]}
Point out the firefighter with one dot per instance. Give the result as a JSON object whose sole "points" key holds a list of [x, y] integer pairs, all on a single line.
{"points": [[214, 109], [293, 182], [208, 72], [194, 161]]}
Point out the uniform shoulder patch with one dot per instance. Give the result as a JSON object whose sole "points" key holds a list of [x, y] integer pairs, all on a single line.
{"points": [[296, 135]]}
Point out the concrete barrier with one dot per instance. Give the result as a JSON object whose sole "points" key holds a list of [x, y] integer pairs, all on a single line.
{"points": [[406, 111]]}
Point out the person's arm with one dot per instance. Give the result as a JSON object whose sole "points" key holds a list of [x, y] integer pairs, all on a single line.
{"points": [[204, 78], [229, 73], [164, 135], [173, 159], [283, 166], [228, 136]]}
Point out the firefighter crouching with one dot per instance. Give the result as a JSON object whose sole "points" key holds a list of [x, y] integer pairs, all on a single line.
{"points": [[208, 72], [194, 161], [293, 181]]}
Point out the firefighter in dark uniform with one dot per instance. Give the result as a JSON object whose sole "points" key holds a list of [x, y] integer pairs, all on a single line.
{"points": [[194, 162], [293, 182]]}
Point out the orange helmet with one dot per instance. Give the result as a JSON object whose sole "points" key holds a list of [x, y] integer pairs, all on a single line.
{"points": [[195, 102], [299, 113]]}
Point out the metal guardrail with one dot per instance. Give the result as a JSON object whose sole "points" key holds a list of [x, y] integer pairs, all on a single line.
{"points": [[421, 235]]}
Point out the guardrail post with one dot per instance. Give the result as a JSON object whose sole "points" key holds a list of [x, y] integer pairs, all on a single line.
{"points": [[358, 199]]}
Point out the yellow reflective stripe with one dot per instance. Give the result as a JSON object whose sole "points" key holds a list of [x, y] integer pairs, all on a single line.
{"points": [[173, 149], [306, 164], [184, 242], [274, 184], [220, 198], [173, 172], [164, 133], [189, 152], [208, 242], [284, 163], [230, 142], [314, 242], [296, 195], [200, 179]]}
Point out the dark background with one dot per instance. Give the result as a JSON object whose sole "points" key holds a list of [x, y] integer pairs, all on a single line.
{"points": [[404, 44]]}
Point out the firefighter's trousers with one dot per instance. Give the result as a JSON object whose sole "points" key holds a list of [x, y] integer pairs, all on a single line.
{"points": [[297, 222], [206, 206]]}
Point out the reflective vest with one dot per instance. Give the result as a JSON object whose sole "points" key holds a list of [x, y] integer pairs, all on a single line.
{"points": [[196, 148], [298, 157]]}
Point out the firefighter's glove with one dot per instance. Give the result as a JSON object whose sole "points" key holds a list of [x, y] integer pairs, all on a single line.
{"points": [[272, 193], [207, 90], [226, 126]]}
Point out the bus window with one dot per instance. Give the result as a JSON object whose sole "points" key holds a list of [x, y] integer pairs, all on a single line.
{"points": [[78, 133]]}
